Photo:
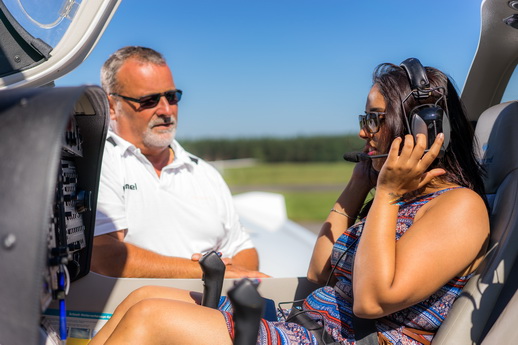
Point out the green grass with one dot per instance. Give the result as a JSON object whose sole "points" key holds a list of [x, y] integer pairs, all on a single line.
{"points": [[310, 207], [289, 174], [310, 189]]}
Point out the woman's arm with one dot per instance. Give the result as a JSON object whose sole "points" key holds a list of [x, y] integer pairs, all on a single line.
{"points": [[349, 203], [446, 241], [447, 236]]}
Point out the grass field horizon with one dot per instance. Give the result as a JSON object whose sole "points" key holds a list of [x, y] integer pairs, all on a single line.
{"points": [[310, 189]]}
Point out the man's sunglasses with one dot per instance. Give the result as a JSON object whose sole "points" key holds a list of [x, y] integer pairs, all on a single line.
{"points": [[151, 101], [371, 121]]}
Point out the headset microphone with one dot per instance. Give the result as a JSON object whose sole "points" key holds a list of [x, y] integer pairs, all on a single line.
{"points": [[356, 157]]}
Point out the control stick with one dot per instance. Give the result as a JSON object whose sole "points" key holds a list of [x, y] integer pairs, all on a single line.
{"points": [[248, 308], [213, 274]]}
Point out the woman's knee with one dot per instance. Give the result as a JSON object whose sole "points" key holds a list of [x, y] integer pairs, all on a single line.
{"points": [[142, 293], [138, 325], [146, 309], [166, 292], [148, 315], [159, 321], [134, 297]]}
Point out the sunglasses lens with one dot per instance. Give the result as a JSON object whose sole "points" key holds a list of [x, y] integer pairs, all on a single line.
{"points": [[372, 123], [361, 121], [173, 97], [150, 101]]}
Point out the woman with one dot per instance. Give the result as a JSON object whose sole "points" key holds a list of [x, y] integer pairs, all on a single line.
{"points": [[406, 259]]}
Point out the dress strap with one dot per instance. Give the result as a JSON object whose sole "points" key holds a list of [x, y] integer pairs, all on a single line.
{"points": [[417, 335], [413, 333]]}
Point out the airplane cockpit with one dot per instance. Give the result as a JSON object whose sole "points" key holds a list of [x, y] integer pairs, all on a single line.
{"points": [[52, 142], [52, 139], [51, 178]]}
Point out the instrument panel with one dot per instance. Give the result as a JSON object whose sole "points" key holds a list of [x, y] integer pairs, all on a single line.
{"points": [[51, 142]]}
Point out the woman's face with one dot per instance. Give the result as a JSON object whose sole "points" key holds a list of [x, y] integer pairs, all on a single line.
{"points": [[375, 142]]}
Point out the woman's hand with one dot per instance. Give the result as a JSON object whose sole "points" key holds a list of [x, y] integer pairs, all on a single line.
{"points": [[364, 174], [406, 171]]}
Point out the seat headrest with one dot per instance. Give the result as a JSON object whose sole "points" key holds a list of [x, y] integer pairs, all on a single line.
{"points": [[497, 143]]}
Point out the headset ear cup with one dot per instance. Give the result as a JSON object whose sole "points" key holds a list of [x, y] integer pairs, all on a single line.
{"points": [[428, 119], [446, 130], [418, 126], [431, 120]]}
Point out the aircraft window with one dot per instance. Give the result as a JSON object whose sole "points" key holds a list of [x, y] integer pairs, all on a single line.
{"points": [[47, 20], [511, 91]]}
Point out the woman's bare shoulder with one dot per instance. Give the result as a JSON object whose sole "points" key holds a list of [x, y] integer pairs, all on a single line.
{"points": [[462, 195], [461, 205]]}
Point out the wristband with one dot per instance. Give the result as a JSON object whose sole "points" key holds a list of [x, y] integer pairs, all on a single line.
{"points": [[343, 214]]}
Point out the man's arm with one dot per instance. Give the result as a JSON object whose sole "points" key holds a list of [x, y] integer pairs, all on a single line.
{"points": [[113, 257], [247, 258]]}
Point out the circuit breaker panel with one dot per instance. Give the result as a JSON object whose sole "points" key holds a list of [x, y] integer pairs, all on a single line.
{"points": [[51, 144]]}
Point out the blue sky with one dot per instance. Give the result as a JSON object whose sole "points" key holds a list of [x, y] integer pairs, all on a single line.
{"points": [[285, 68]]}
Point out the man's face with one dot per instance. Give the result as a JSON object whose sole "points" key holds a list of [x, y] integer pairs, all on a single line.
{"points": [[148, 129]]}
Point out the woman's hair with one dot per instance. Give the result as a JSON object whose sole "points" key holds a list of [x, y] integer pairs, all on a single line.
{"points": [[110, 68], [459, 160]]}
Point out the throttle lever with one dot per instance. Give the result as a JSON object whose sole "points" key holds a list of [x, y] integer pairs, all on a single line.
{"points": [[248, 308], [213, 274]]}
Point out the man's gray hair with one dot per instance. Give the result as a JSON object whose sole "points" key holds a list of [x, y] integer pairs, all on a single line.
{"points": [[110, 68]]}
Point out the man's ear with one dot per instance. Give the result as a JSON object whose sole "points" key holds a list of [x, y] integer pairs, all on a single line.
{"points": [[113, 104]]}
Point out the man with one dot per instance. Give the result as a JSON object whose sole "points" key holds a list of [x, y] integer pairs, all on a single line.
{"points": [[158, 205]]}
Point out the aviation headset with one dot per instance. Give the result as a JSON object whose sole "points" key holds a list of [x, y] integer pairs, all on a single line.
{"points": [[428, 118]]}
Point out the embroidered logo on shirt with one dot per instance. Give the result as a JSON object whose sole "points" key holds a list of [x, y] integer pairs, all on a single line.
{"points": [[130, 186]]}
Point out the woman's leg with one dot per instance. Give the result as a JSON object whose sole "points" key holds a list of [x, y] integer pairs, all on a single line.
{"points": [[165, 321], [146, 292]]}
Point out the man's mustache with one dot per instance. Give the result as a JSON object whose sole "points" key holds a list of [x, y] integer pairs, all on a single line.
{"points": [[162, 121]]}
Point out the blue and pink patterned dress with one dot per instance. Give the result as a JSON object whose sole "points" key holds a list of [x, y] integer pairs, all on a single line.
{"points": [[333, 305]]}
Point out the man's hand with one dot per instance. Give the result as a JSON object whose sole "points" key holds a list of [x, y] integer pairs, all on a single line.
{"points": [[234, 271], [240, 272], [198, 256]]}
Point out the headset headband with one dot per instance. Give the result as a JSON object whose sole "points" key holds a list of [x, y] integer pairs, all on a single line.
{"points": [[417, 78], [429, 119]]}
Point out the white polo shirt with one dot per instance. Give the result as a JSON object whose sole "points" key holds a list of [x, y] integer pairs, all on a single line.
{"points": [[188, 209]]}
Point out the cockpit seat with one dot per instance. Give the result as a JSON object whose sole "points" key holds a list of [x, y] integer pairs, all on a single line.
{"points": [[473, 313], [504, 330]]}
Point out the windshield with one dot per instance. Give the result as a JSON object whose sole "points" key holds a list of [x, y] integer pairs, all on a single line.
{"points": [[47, 20]]}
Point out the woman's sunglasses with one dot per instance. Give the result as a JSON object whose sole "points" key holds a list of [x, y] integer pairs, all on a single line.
{"points": [[371, 121], [151, 101]]}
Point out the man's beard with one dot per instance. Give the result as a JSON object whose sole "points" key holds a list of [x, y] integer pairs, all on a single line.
{"points": [[161, 138]]}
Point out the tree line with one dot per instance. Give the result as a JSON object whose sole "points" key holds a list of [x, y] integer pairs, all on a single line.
{"points": [[271, 149]]}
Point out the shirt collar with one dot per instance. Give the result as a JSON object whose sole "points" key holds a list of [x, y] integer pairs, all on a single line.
{"points": [[181, 157]]}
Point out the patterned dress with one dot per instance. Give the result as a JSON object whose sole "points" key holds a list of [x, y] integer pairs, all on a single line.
{"points": [[332, 306]]}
